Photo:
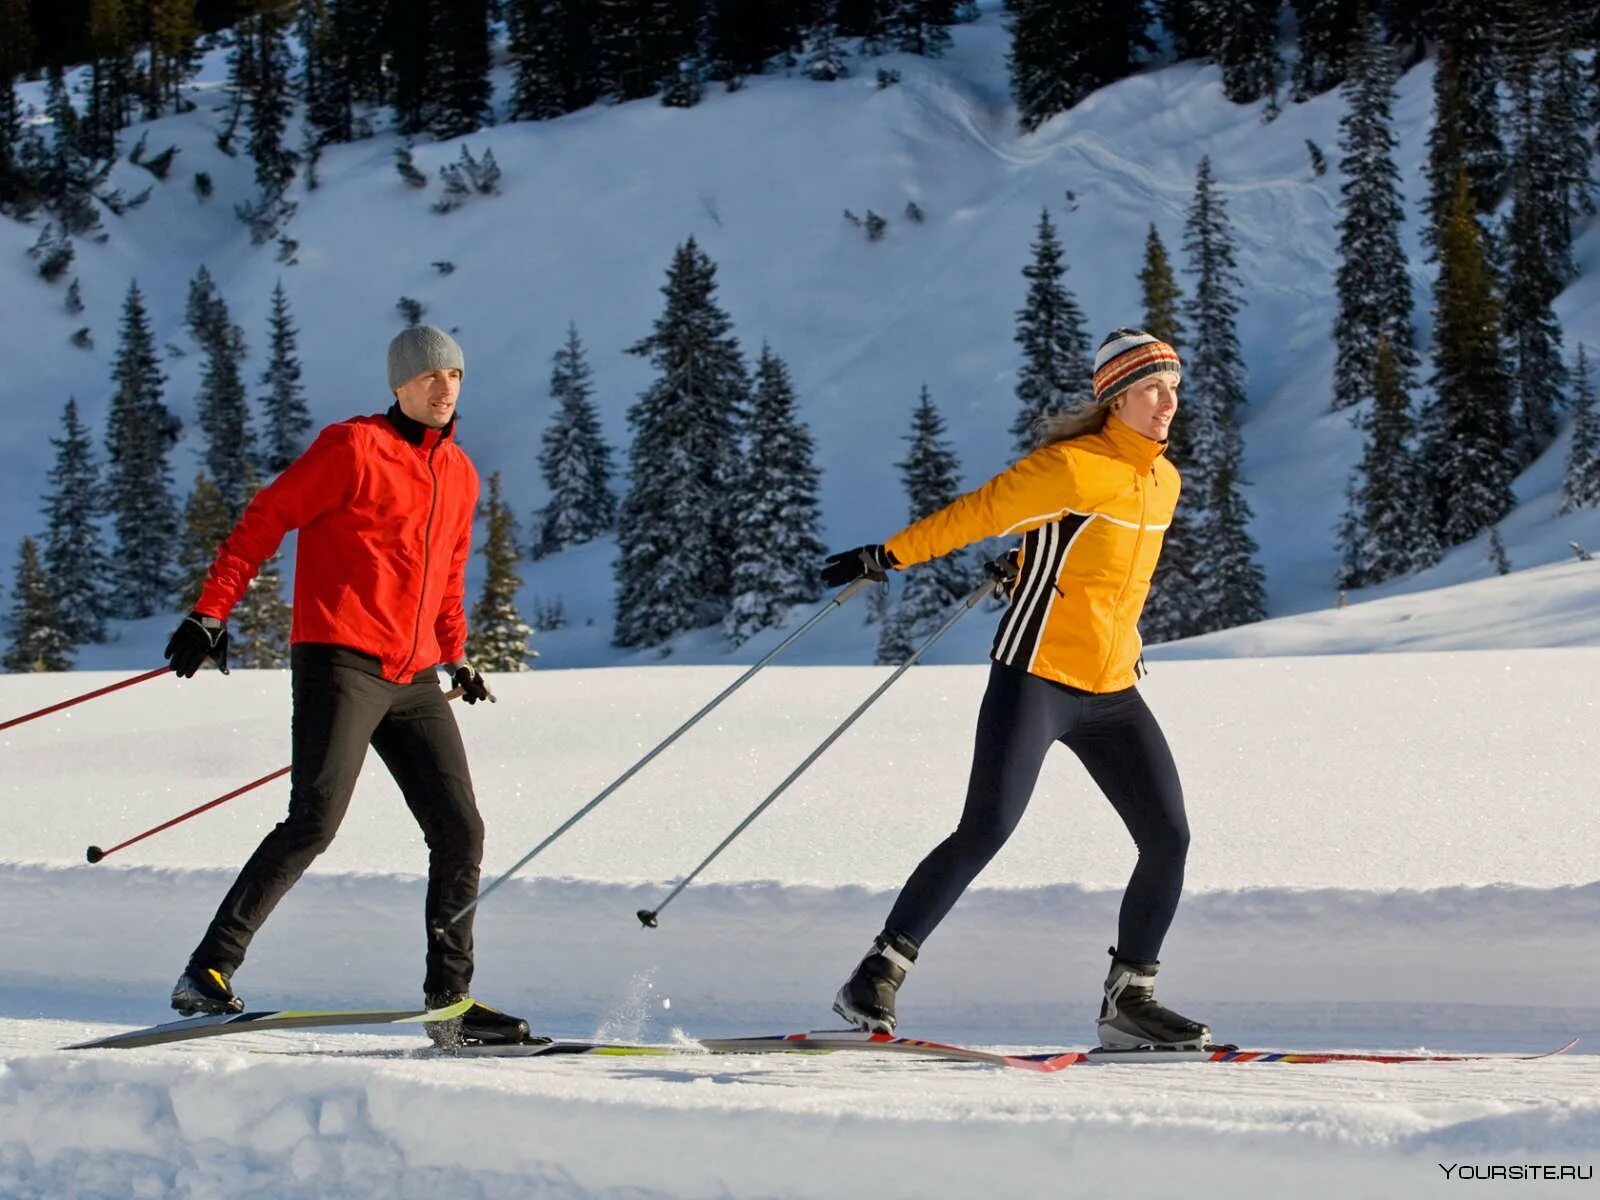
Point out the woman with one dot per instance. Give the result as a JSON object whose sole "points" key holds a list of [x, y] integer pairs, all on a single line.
{"points": [[1092, 502]]}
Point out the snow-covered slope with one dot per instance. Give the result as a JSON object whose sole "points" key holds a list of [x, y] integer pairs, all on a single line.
{"points": [[595, 202], [1390, 851]]}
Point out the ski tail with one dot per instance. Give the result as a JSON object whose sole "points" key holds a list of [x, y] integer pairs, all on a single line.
{"points": [[226, 1024]]}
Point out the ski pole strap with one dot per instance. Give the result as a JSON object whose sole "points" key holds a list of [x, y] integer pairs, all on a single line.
{"points": [[616, 783], [976, 597], [115, 687]]}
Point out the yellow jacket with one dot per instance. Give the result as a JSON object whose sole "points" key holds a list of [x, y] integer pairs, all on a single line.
{"points": [[1093, 510]]}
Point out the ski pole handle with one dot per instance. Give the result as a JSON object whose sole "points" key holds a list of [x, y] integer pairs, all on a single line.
{"points": [[115, 687]]}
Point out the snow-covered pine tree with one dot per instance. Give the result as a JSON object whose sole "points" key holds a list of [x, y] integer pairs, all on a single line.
{"points": [[363, 36], [16, 49], [675, 542], [1373, 283], [932, 477], [38, 642], [1057, 364], [74, 550], [1388, 530], [168, 30], [637, 40], [206, 523], [1470, 37], [1580, 483], [533, 35], [498, 636], [112, 76], [1221, 560], [326, 81], [1497, 552], [260, 67], [459, 74], [224, 412], [1159, 288], [1467, 431], [1061, 50], [574, 459], [140, 433], [776, 511], [65, 175], [285, 417], [1245, 45], [261, 621], [824, 55], [1326, 31], [919, 26]]}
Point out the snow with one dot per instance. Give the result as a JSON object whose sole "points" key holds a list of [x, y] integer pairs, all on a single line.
{"points": [[1391, 852]]}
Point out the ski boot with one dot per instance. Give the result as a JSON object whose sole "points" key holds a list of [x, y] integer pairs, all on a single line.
{"points": [[867, 998], [1131, 1018], [480, 1025], [204, 991]]}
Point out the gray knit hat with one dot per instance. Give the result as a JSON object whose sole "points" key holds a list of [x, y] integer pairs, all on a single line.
{"points": [[422, 348]]}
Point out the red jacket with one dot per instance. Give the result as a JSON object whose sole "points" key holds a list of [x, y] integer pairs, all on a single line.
{"points": [[384, 507]]}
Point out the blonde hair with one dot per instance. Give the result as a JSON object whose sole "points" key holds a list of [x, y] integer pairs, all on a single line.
{"points": [[1087, 417]]}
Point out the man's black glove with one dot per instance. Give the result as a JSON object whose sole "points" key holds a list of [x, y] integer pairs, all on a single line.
{"points": [[471, 682], [1004, 569], [864, 562], [194, 641]]}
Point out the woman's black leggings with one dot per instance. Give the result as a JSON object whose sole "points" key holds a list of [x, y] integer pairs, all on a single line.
{"points": [[1118, 740]]}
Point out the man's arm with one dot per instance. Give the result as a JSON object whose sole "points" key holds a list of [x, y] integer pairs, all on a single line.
{"points": [[320, 480], [450, 626]]}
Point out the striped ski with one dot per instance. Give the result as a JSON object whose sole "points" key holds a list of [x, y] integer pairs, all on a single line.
{"points": [[226, 1024]]}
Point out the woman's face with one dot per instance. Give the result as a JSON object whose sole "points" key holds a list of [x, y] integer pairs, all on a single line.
{"points": [[1149, 405]]}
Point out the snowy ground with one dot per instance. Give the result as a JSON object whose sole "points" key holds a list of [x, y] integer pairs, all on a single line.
{"points": [[1392, 851]]}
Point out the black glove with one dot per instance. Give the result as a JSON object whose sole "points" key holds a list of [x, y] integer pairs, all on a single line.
{"points": [[197, 639], [864, 562], [1004, 569], [471, 682]]}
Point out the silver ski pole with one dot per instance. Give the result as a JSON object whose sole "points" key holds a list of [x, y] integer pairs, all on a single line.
{"points": [[733, 687], [648, 916]]}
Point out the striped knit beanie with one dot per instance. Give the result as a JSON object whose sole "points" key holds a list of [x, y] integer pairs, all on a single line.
{"points": [[1127, 356]]}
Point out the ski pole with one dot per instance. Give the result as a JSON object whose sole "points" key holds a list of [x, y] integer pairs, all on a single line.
{"points": [[738, 683], [45, 712], [647, 916], [94, 854]]}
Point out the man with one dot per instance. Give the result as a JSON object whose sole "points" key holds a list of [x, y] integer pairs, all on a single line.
{"points": [[384, 505]]}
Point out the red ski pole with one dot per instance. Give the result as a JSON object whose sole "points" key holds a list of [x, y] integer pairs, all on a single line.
{"points": [[45, 712], [94, 854]]}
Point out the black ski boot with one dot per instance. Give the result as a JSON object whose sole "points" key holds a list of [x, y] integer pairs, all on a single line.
{"points": [[867, 998], [1130, 1016], [204, 991], [480, 1025]]}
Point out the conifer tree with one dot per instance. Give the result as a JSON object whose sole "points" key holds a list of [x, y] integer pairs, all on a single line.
{"points": [[918, 26], [675, 542], [37, 640], [1220, 560], [111, 77], [1244, 44], [409, 60], [326, 80], [286, 419], [1057, 368], [932, 477], [824, 57], [1061, 50], [1327, 31], [74, 551], [65, 176], [16, 50], [575, 460], [1161, 293], [140, 433], [1373, 283], [1580, 483], [776, 512], [259, 70], [1388, 530], [459, 73], [1467, 430], [223, 409], [534, 34], [206, 524], [168, 30], [637, 40], [262, 621], [744, 36], [1469, 40], [498, 640], [363, 34]]}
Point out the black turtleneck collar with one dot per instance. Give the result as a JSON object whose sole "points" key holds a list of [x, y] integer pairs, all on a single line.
{"points": [[416, 432]]}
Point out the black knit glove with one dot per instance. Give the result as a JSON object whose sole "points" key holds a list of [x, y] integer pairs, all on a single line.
{"points": [[864, 562], [1003, 568], [471, 682], [195, 640]]}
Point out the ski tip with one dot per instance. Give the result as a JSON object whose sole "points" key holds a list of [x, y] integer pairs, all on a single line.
{"points": [[647, 918], [94, 854]]}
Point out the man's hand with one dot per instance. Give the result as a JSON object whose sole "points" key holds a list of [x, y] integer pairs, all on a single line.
{"points": [[864, 562], [471, 682], [195, 640]]}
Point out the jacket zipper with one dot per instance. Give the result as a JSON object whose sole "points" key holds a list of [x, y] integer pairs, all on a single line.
{"points": [[1133, 562], [427, 544]]}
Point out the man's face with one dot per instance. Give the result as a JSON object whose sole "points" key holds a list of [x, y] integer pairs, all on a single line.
{"points": [[431, 396]]}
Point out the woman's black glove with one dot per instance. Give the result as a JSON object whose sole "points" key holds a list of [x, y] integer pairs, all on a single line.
{"points": [[864, 562], [194, 641]]}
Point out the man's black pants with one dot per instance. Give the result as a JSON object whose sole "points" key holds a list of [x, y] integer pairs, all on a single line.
{"points": [[339, 709]]}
